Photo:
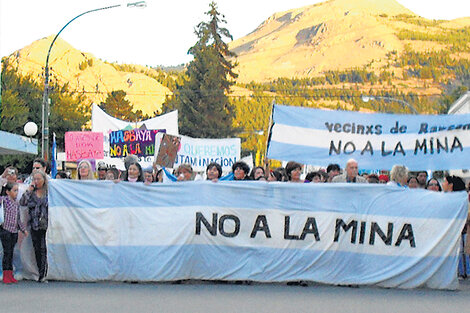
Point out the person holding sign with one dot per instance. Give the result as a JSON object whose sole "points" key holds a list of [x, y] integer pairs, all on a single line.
{"points": [[350, 175]]}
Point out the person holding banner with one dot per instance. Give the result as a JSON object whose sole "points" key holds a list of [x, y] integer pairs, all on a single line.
{"points": [[112, 174], [433, 184], [36, 200], [413, 182], [350, 175], [85, 171], [452, 183], [332, 170], [293, 171], [257, 172], [148, 176], [398, 176], [184, 172], [240, 171], [213, 171], [276, 175], [134, 173]]}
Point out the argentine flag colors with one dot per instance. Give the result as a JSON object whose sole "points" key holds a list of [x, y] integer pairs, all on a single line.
{"points": [[376, 141], [267, 232]]}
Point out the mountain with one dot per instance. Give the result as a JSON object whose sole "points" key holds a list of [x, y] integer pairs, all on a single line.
{"points": [[330, 52], [332, 35], [90, 75]]}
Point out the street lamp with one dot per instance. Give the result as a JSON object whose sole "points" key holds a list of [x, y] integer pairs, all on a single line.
{"points": [[403, 103], [45, 98]]}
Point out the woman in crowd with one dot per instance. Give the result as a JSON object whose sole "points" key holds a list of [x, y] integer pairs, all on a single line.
{"points": [[293, 171], [313, 177], [240, 171], [275, 175], [257, 172], [184, 172], [62, 175], [9, 229], [148, 176], [413, 182], [35, 199], [433, 184], [398, 176], [213, 171], [453, 183], [112, 173], [134, 173], [84, 170]]}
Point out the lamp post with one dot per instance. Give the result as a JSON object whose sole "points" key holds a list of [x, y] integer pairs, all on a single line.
{"points": [[403, 103], [45, 98]]}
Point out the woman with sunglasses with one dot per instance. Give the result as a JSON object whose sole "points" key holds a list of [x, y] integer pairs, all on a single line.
{"points": [[433, 185]]}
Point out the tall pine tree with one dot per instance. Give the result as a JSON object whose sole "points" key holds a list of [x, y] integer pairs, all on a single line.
{"points": [[203, 106]]}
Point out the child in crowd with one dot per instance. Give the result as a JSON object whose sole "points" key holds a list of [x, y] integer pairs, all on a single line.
{"points": [[9, 229]]}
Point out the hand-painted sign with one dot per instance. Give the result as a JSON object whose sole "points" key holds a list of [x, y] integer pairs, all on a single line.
{"points": [[83, 145], [140, 142]]}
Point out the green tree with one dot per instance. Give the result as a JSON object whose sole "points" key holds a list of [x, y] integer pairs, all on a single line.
{"points": [[119, 107], [203, 106], [22, 102]]}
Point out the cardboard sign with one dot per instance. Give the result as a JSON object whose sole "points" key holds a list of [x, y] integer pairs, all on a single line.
{"points": [[166, 149], [83, 145]]}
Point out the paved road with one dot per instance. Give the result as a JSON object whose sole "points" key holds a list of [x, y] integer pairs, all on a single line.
{"points": [[205, 297]]}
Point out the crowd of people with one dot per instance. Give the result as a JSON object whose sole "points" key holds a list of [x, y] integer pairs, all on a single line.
{"points": [[31, 192]]}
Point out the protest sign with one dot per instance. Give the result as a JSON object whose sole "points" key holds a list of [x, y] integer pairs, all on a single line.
{"points": [[376, 141], [102, 122], [140, 142], [361, 234], [166, 148], [200, 152], [83, 145]]}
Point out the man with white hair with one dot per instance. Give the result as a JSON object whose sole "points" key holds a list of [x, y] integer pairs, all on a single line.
{"points": [[350, 174]]}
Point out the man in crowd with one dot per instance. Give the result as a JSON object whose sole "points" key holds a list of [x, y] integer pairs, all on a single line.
{"points": [[350, 175], [422, 179], [332, 170]]}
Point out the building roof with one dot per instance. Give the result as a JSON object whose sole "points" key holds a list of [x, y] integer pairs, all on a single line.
{"points": [[16, 144]]}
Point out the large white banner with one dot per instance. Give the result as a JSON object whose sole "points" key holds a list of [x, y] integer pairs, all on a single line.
{"points": [[200, 152], [102, 122], [376, 141], [268, 232]]}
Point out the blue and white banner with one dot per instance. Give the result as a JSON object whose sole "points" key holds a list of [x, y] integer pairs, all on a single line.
{"points": [[376, 141], [267, 232]]}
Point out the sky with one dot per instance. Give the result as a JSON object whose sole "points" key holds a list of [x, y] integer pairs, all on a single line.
{"points": [[159, 34]]}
